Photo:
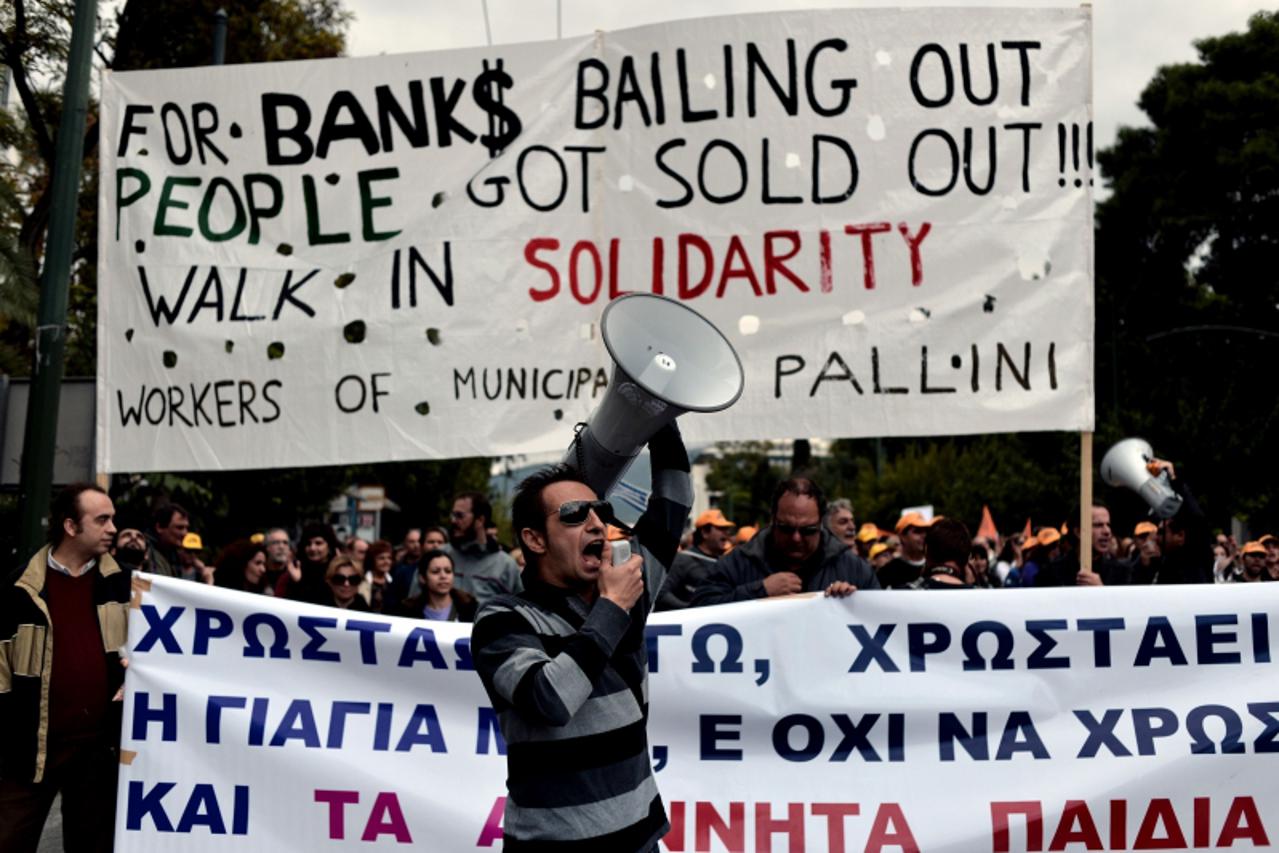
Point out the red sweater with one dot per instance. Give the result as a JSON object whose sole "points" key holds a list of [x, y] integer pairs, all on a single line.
{"points": [[78, 700]]}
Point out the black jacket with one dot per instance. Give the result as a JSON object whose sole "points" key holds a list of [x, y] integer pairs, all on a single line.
{"points": [[1192, 563], [688, 572], [739, 575], [1064, 570]]}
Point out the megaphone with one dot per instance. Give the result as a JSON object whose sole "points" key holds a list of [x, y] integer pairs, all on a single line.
{"points": [[1125, 465], [667, 360]]}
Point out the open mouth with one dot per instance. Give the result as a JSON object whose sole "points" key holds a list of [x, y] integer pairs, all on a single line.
{"points": [[594, 553]]}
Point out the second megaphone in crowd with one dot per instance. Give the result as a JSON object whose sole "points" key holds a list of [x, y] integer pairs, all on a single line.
{"points": [[1127, 465], [667, 360]]}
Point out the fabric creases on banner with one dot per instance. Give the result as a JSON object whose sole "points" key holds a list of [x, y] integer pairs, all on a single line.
{"points": [[887, 211], [1113, 719]]}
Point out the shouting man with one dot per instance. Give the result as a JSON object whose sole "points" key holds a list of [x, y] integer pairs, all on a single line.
{"points": [[565, 664]]}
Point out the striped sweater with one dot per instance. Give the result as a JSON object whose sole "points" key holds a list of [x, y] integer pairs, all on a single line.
{"points": [[569, 683]]}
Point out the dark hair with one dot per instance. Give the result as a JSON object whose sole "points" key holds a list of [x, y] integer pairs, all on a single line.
{"points": [[164, 513], [318, 530], [66, 506], [527, 510], [376, 549], [800, 486], [979, 551], [480, 506], [430, 555], [1007, 553], [230, 565], [947, 541]]}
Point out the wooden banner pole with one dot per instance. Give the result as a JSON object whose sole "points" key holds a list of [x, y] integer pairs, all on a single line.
{"points": [[1085, 501]]}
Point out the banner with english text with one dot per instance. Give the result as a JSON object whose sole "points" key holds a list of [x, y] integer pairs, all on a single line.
{"points": [[887, 211], [1071, 719]]}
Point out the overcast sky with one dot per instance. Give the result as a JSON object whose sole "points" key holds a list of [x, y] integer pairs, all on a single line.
{"points": [[1132, 37]]}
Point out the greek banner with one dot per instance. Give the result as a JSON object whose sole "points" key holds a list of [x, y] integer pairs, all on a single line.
{"points": [[1073, 719], [887, 211]]}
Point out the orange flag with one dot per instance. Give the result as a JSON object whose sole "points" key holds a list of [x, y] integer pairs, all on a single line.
{"points": [[987, 529], [1028, 532]]}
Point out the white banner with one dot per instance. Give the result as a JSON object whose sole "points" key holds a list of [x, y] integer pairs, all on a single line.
{"points": [[887, 211], [1114, 719]]}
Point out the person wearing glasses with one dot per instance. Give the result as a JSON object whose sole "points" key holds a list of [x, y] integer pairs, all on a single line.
{"points": [[795, 553], [565, 665], [344, 579], [481, 567]]}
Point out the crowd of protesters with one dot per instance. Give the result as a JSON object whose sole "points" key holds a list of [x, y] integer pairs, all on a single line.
{"points": [[433, 573], [446, 572]]}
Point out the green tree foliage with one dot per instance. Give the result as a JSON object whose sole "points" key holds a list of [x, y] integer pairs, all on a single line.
{"points": [[1032, 475], [744, 478], [1188, 271]]}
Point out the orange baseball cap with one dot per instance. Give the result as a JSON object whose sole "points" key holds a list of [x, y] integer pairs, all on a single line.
{"points": [[715, 517], [1145, 527], [1252, 548], [877, 549], [867, 532], [1049, 536], [910, 519], [745, 534]]}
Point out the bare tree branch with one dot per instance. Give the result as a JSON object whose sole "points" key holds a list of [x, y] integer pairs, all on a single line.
{"points": [[13, 55]]}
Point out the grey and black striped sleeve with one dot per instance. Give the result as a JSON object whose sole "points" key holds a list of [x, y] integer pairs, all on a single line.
{"points": [[660, 527], [512, 661]]}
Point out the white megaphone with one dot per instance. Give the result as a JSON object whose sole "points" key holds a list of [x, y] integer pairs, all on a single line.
{"points": [[667, 360], [1125, 465]]}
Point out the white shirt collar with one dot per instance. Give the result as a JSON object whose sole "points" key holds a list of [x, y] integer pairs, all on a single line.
{"points": [[58, 567]]}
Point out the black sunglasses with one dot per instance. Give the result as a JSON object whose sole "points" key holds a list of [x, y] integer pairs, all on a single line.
{"points": [[573, 513], [345, 580], [789, 529]]}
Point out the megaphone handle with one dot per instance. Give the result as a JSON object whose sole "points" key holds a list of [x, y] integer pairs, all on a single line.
{"points": [[577, 446]]}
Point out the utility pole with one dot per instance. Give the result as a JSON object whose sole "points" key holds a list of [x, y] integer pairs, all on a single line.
{"points": [[51, 328]]}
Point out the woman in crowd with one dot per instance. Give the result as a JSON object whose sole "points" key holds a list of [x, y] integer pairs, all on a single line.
{"points": [[978, 573], [305, 579], [378, 562], [343, 579], [439, 600], [242, 566]]}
